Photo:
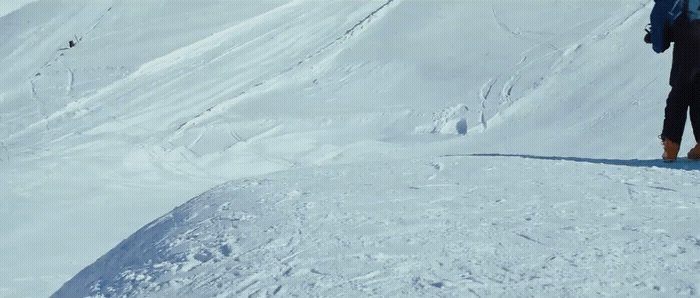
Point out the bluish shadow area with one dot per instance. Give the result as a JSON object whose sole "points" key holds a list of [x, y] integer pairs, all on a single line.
{"points": [[681, 163]]}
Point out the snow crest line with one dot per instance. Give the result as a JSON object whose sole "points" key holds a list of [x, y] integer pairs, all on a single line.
{"points": [[358, 28], [649, 163], [318, 232]]}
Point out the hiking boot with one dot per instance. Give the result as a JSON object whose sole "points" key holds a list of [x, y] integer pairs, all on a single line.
{"points": [[694, 153], [671, 150]]}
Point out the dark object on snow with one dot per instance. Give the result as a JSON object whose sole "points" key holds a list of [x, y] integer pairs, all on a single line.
{"points": [[74, 42], [647, 37]]}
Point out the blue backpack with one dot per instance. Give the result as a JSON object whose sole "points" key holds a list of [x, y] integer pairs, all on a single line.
{"points": [[692, 7], [665, 14]]}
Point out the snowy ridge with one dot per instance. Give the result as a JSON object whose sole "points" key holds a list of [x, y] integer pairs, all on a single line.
{"points": [[440, 227]]}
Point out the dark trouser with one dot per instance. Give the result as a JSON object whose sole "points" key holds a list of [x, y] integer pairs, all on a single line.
{"points": [[681, 98], [685, 82]]}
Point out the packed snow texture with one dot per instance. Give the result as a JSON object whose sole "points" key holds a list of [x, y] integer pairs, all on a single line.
{"points": [[450, 227], [367, 147]]}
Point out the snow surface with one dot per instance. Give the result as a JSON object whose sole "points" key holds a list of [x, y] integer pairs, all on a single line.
{"points": [[372, 147], [7, 6], [451, 226]]}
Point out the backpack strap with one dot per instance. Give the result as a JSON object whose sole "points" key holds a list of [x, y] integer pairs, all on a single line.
{"points": [[684, 16]]}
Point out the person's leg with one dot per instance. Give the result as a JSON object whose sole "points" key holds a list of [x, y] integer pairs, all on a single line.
{"points": [[694, 104], [675, 114], [674, 121]]}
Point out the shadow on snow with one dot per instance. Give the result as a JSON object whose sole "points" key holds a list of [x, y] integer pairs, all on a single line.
{"points": [[682, 163]]}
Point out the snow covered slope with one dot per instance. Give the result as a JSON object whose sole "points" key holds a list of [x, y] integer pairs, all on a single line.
{"points": [[7, 7], [163, 100], [448, 226]]}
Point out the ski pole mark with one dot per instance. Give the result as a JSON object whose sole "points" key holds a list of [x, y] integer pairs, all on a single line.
{"points": [[632, 193], [529, 238]]}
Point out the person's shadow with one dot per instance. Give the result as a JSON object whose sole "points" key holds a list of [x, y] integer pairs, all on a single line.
{"points": [[681, 163]]}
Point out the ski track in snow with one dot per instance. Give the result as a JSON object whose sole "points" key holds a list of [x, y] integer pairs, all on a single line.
{"points": [[555, 55], [484, 94], [419, 228], [355, 30]]}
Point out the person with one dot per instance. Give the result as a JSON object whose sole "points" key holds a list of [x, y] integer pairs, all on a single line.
{"points": [[678, 21]]}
